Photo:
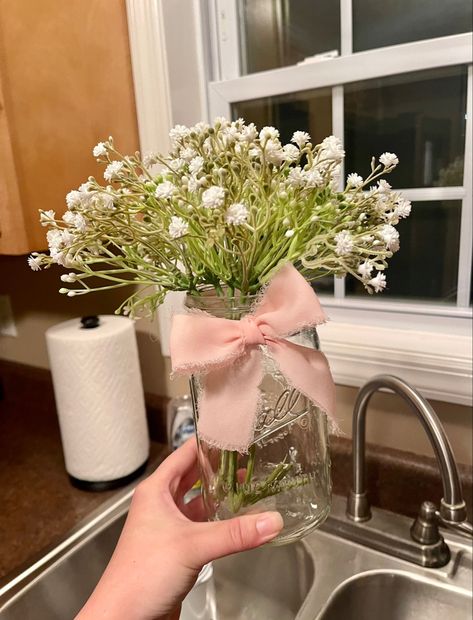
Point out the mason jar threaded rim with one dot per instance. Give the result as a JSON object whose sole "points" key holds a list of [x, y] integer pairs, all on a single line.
{"points": [[221, 306]]}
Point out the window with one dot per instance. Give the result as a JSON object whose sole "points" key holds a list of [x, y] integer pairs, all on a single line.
{"points": [[394, 78]]}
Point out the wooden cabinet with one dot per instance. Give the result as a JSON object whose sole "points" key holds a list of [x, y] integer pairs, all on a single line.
{"points": [[65, 84]]}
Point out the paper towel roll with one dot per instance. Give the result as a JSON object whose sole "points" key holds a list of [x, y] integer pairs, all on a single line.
{"points": [[99, 398]]}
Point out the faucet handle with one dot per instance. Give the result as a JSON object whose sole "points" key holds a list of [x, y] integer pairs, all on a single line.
{"points": [[425, 529]]}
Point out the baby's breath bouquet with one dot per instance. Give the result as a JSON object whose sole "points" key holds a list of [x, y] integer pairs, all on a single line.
{"points": [[228, 211], [226, 208]]}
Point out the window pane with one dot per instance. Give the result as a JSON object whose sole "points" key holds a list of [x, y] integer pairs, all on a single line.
{"points": [[324, 285], [277, 33], [309, 110], [378, 24], [426, 266], [419, 116]]}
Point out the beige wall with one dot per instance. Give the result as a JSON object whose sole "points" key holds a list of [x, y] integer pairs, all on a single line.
{"points": [[37, 305]]}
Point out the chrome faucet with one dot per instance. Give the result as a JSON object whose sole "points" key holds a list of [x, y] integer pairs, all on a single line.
{"points": [[452, 512]]}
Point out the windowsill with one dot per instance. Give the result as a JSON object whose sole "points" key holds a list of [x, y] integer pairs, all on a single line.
{"points": [[438, 363]]}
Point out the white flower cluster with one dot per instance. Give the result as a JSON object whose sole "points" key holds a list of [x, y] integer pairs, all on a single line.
{"points": [[178, 227], [344, 243], [60, 242], [236, 214], [113, 170], [202, 154], [213, 197], [35, 261], [354, 180], [164, 190], [225, 207], [100, 150]]}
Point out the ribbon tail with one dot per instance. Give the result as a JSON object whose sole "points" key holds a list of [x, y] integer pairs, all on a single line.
{"points": [[229, 403], [308, 371]]}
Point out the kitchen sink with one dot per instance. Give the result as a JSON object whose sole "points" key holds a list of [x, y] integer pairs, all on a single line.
{"points": [[395, 596], [327, 576]]}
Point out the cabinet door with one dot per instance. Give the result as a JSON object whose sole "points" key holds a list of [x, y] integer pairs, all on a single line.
{"points": [[66, 80], [12, 225]]}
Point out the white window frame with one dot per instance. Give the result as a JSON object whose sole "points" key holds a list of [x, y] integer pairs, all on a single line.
{"points": [[427, 344]]}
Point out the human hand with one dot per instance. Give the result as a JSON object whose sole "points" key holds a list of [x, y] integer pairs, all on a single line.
{"points": [[164, 544]]}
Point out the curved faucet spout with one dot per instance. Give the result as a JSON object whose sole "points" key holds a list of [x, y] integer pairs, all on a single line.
{"points": [[452, 506]]}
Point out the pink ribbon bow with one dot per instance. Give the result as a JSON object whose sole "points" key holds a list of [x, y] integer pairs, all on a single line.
{"points": [[227, 355]]}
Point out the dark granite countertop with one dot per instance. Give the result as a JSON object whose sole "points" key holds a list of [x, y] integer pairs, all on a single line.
{"points": [[38, 504]]}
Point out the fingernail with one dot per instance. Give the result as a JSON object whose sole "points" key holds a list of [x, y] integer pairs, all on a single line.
{"points": [[269, 524]]}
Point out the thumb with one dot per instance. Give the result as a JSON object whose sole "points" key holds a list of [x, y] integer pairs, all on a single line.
{"points": [[219, 538]]}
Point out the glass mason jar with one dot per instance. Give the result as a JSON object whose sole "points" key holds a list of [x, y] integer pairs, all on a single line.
{"points": [[287, 467]]}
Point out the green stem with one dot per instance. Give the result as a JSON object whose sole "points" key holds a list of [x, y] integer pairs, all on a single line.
{"points": [[232, 471], [223, 463], [250, 465]]}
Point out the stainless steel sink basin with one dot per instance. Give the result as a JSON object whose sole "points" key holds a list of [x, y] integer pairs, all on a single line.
{"points": [[275, 582], [395, 596], [59, 589], [267, 583], [326, 577]]}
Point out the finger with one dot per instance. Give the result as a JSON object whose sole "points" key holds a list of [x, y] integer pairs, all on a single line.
{"points": [[186, 482], [220, 538], [185, 486], [178, 463]]}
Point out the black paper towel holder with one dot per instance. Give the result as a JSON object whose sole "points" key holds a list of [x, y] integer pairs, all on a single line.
{"points": [[108, 485]]}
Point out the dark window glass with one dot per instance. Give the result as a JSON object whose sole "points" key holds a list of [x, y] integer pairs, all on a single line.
{"points": [[323, 286], [419, 116], [378, 24], [277, 33]]}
